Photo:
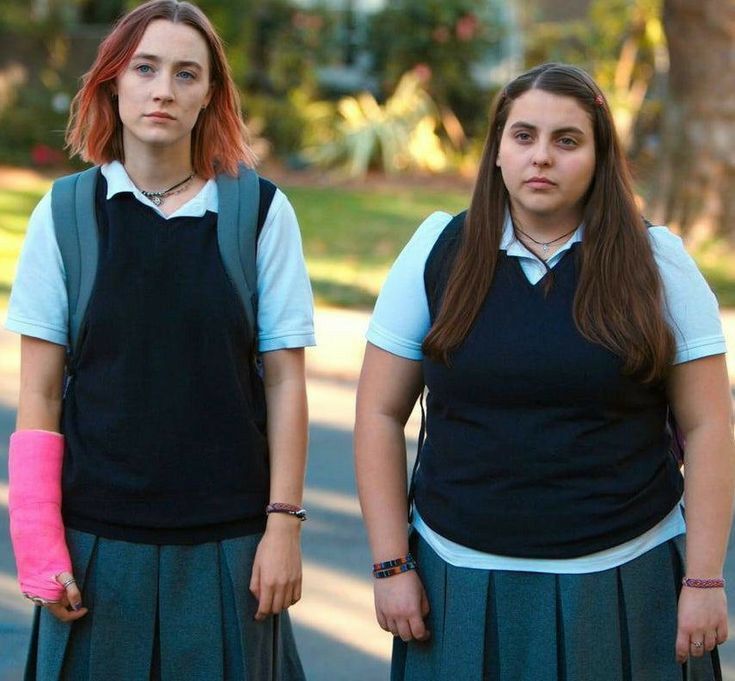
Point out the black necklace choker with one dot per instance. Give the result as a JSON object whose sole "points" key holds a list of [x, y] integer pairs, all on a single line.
{"points": [[158, 197], [544, 244]]}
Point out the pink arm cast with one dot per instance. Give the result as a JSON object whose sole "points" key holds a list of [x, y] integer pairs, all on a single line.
{"points": [[34, 460]]}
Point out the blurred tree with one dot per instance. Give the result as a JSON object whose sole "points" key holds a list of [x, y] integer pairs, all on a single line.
{"points": [[697, 166], [446, 39], [621, 42]]}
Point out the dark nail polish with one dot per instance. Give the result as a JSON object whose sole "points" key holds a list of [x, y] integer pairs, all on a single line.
{"points": [[76, 606]]}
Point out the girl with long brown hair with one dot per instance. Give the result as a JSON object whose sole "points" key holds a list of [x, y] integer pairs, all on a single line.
{"points": [[554, 330], [155, 509]]}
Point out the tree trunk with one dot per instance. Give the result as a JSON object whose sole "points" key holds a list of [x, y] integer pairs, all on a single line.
{"points": [[696, 192]]}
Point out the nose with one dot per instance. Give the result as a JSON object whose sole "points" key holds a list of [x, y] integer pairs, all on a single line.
{"points": [[541, 154], [162, 88]]}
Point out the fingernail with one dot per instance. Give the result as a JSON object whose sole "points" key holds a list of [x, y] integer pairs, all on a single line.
{"points": [[76, 606]]}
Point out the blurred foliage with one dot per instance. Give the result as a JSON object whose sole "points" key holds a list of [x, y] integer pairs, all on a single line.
{"points": [[273, 49], [276, 47], [621, 42], [359, 133], [445, 38]]}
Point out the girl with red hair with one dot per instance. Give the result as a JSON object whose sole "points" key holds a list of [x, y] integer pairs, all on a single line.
{"points": [[156, 507]]}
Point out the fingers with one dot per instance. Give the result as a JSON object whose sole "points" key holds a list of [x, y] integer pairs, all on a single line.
{"points": [[710, 641], [73, 594], [69, 608], [697, 644], [405, 619], [276, 597], [722, 633], [682, 646]]}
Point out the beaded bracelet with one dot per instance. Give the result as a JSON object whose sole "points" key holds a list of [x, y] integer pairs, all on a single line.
{"points": [[393, 563], [694, 583], [390, 572], [389, 568]]}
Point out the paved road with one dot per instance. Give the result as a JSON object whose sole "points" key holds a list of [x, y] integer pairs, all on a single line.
{"points": [[334, 621]]}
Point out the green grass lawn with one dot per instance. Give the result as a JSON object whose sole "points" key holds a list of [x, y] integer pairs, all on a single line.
{"points": [[351, 236]]}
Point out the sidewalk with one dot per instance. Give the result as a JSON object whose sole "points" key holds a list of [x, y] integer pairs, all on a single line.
{"points": [[334, 622]]}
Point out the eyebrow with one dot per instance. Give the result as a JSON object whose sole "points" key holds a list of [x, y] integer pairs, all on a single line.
{"points": [[530, 126], [155, 58]]}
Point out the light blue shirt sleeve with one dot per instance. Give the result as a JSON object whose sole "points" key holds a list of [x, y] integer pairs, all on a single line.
{"points": [[285, 303], [691, 307], [401, 318], [38, 304]]}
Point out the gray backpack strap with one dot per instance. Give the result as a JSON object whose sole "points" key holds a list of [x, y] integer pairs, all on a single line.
{"points": [[237, 223], [75, 224]]}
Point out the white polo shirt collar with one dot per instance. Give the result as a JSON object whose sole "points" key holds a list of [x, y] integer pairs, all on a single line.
{"points": [[118, 181]]}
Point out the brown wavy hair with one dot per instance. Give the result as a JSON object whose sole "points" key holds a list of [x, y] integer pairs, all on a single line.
{"points": [[619, 298], [219, 138]]}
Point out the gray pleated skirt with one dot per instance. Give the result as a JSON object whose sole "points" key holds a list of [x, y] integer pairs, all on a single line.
{"points": [[497, 625], [163, 612]]}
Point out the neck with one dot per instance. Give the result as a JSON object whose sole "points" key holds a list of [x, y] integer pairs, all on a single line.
{"points": [[546, 227], [156, 168]]}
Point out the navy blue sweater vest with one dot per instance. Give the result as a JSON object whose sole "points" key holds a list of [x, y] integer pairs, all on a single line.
{"points": [[164, 414], [537, 445]]}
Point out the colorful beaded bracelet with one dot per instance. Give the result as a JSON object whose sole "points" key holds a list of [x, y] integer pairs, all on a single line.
{"points": [[393, 563], [694, 583], [390, 572]]}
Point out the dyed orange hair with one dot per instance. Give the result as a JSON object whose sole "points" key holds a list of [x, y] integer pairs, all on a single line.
{"points": [[219, 140]]}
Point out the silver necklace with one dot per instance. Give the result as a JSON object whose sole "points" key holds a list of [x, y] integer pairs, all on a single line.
{"points": [[158, 197]]}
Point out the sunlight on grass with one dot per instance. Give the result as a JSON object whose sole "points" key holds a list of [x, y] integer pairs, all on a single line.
{"points": [[351, 236]]}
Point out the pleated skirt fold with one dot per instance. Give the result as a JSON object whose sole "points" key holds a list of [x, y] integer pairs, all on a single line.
{"points": [[497, 625], [163, 612]]}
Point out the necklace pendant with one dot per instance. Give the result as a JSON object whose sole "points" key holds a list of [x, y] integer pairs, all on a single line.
{"points": [[158, 200], [545, 248]]}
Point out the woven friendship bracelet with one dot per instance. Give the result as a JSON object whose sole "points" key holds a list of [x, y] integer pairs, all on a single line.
{"points": [[393, 563], [290, 509], [694, 583], [390, 572]]}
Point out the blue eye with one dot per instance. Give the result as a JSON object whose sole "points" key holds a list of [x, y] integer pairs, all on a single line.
{"points": [[144, 68], [186, 75], [522, 136]]}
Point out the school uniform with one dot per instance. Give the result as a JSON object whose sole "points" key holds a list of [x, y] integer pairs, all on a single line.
{"points": [[547, 517], [166, 471]]}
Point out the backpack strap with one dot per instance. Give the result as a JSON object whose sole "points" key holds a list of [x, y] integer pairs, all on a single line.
{"points": [[75, 225], [237, 233]]}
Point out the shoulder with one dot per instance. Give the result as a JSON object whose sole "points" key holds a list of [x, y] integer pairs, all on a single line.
{"points": [[669, 252], [430, 232], [690, 305]]}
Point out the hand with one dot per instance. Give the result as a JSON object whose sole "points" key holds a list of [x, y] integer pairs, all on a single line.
{"points": [[276, 578], [702, 619], [69, 608], [401, 606]]}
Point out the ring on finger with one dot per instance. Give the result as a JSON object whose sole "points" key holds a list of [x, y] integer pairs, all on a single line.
{"points": [[69, 582], [697, 644]]}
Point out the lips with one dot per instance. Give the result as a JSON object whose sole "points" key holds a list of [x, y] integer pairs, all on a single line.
{"points": [[540, 182], [160, 115]]}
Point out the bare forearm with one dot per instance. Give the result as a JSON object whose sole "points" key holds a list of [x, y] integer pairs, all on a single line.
{"points": [[287, 438], [380, 464], [709, 478], [39, 412]]}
